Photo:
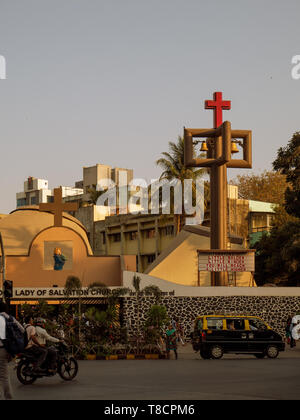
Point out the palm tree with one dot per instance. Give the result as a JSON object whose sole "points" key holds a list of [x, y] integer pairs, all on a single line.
{"points": [[172, 164], [94, 194]]}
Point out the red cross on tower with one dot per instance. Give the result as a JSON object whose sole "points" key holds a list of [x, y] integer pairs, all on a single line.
{"points": [[218, 105]]}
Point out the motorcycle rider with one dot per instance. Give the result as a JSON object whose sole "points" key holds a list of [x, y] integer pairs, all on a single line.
{"points": [[43, 337], [34, 348]]}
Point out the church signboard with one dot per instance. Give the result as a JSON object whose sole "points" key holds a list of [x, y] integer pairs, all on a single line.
{"points": [[227, 260]]}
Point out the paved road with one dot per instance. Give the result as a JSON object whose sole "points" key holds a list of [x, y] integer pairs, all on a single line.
{"points": [[234, 377]]}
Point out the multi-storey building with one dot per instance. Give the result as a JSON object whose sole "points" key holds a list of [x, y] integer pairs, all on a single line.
{"points": [[37, 191], [145, 236], [94, 176]]}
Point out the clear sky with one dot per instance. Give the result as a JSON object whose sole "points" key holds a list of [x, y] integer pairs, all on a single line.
{"points": [[113, 81]]}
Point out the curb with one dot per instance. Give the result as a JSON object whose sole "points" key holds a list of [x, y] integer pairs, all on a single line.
{"points": [[135, 357]]}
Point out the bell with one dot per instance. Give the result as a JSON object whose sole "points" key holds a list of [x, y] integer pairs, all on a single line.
{"points": [[234, 148], [204, 147]]}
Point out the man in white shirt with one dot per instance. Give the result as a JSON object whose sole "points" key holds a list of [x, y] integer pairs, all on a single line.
{"points": [[34, 348], [5, 387], [43, 337]]}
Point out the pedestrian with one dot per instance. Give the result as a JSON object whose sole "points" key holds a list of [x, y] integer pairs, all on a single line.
{"points": [[5, 387], [171, 341], [288, 333], [180, 332], [174, 323]]}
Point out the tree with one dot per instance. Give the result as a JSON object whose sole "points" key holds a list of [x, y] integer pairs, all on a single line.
{"points": [[94, 194], [288, 164], [74, 284], [148, 290], [173, 167], [281, 217], [268, 186], [157, 316], [278, 254]]}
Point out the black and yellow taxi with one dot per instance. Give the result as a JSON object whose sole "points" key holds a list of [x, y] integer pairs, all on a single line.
{"points": [[216, 335]]}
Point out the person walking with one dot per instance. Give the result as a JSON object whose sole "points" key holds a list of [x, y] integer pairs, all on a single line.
{"points": [[288, 333], [171, 341], [5, 387], [180, 332]]}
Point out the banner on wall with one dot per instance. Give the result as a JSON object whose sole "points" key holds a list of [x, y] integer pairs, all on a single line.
{"points": [[57, 293]]}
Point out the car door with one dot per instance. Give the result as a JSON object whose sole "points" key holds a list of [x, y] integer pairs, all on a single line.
{"points": [[215, 333], [260, 336], [236, 335]]}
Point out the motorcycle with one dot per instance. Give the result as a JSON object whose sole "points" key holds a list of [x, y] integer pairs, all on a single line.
{"points": [[67, 366]]}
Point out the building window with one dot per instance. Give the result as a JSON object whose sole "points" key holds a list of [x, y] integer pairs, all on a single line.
{"points": [[116, 237], [150, 233], [103, 238], [167, 231], [151, 258], [50, 199], [132, 236], [21, 202], [33, 200]]}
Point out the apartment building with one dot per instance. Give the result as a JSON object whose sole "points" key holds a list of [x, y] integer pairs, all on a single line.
{"points": [[145, 236], [37, 191]]}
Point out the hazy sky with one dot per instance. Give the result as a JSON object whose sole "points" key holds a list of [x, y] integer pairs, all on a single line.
{"points": [[113, 81]]}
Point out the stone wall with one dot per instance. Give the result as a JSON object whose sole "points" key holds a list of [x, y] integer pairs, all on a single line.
{"points": [[274, 310]]}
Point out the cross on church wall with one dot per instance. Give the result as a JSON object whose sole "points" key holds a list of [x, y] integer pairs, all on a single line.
{"points": [[58, 207]]}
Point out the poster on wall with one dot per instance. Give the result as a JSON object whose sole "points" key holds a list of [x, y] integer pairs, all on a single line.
{"points": [[58, 255]]}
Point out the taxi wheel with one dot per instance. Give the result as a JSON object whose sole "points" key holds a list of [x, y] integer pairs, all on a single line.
{"points": [[260, 355], [272, 352], [205, 355], [216, 352]]}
